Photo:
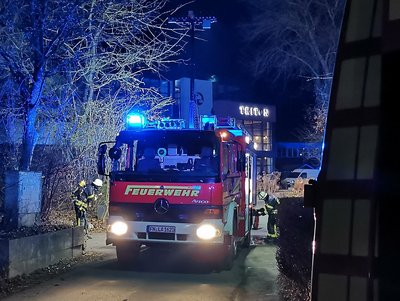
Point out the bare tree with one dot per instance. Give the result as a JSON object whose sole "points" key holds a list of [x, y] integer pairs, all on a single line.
{"points": [[123, 41], [71, 70], [70, 65], [58, 57], [32, 34], [297, 39]]}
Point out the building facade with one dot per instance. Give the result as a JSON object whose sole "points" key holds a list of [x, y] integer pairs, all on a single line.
{"points": [[291, 155], [259, 120]]}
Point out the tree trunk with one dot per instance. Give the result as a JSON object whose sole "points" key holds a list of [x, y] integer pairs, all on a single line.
{"points": [[322, 89], [30, 137], [89, 89]]}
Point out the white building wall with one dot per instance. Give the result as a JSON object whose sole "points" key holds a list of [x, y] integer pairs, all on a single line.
{"points": [[203, 96]]}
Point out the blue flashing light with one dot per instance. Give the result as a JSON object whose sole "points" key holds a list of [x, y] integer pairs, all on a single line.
{"points": [[236, 132], [209, 120], [135, 120]]}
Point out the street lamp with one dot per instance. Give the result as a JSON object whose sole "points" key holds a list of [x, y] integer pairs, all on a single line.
{"points": [[192, 21]]}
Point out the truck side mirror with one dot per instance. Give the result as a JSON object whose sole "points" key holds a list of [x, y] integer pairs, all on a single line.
{"points": [[101, 159], [115, 153]]}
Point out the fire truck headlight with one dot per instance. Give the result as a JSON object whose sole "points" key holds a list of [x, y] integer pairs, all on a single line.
{"points": [[207, 232], [119, 228]]}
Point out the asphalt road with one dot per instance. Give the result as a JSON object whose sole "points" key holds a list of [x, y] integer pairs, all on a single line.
{"points": [[161, 275]]}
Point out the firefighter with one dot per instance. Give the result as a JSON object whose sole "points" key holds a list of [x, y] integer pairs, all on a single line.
{"points": [[78, 201], [83, 196], [271, 205]]}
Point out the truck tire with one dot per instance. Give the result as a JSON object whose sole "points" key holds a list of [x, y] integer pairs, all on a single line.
{"points": [[230, 253], [247, 240], [127, 253]]}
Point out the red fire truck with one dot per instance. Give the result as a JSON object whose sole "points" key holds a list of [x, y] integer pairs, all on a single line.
{"points": [[183, 187]]}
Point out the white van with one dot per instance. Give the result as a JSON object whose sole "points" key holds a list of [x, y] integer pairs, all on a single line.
{"points": [[304, 173]]}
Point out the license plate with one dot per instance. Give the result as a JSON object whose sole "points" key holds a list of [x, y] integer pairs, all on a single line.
{"points": [[161, 229]]}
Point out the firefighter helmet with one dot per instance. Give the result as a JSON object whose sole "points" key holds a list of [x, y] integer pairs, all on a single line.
{"points": [[82, 183], [98, 182]]}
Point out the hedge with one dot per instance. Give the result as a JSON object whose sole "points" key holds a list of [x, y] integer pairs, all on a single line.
{"points": [[294, 249]]}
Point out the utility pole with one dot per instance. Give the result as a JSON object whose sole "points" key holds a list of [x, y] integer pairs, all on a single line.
{"points": [[192, 21]]}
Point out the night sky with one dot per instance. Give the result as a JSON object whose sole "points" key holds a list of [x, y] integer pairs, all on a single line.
{"points": [[223, 55]]}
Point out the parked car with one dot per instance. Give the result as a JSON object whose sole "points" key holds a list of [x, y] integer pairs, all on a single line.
{"points": [[304, 173]]}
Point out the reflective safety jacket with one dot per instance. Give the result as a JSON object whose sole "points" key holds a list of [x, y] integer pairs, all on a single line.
{"points": [[85, 194], [89, 193], [82, 205], [82, 196], [271, 204]]}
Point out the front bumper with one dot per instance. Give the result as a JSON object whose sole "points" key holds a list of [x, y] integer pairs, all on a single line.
{"points": [[185, 234]]}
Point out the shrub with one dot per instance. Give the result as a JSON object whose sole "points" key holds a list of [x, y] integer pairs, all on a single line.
{"points": [[60, 176], [294, 252]]}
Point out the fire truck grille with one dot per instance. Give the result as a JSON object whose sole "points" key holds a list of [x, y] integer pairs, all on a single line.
{"points": [[162, 236]]}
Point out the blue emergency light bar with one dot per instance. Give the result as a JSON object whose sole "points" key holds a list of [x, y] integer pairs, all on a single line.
{"points": [[236, 132], [171, 124], [211, 119], [135, 120]]}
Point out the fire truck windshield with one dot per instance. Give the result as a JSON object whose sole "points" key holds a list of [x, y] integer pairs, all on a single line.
{"points": [[167, 155]]}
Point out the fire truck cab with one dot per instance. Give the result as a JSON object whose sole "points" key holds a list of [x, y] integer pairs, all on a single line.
{"points": [[183, 187]]}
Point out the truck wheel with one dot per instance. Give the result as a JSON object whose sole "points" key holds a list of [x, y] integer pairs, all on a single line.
{"points": [[230, 253], [127, 253], [247, 240]]}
